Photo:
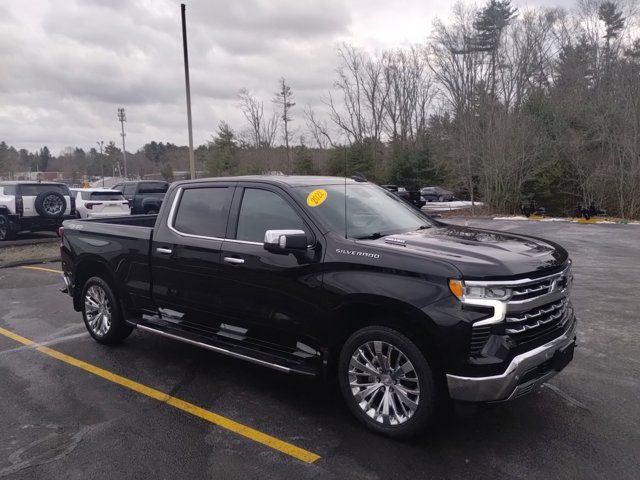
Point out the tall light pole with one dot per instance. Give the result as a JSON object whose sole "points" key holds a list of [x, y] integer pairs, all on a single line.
{"points": [[192, 163], [123, 118], [100, 144]]}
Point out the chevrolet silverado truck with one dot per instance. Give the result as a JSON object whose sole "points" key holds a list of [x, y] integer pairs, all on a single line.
{"points": [[331, 277]]}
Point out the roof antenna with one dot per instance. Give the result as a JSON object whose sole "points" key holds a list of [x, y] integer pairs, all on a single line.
{"points": [[345, 193]]}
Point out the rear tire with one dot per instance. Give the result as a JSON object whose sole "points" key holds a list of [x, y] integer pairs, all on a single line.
{"points": [[7, 231], [387, 382], [102, 312]]}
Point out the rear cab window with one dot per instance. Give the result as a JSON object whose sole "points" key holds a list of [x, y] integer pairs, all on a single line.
{"points": [[153, 187], [129, 189]]}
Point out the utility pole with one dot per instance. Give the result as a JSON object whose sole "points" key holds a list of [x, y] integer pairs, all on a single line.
{"points": [[100, 144], [123, 118], [192, 163]]}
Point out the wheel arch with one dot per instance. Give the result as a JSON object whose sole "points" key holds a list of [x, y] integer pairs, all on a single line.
{"points": [[359, 313], [87, 268]]}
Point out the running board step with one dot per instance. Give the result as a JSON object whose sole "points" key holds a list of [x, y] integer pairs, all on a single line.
{"points": [[235, 351]]}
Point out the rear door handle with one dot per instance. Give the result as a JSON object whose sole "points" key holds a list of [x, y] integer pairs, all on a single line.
{"points": [[164, 251], [234, 260]]}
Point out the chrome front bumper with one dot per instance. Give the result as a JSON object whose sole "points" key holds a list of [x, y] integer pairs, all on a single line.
{"points": [[509, 385]]}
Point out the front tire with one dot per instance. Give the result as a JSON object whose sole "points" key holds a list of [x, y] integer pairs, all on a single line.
{"points": [[387, 382], [102, 313]]}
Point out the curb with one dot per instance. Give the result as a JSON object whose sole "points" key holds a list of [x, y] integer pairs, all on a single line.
{"points": [[20, 263]]}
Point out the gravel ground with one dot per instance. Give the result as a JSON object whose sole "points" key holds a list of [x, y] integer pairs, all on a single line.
{"points": [[29, 253]]}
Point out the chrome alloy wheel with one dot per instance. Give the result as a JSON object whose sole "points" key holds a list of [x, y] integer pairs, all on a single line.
{"points": [[97, 310], [52, 204], [384, 383]]}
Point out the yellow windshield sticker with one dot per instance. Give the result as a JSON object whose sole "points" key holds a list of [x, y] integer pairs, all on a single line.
{"points": [[317, 197]]}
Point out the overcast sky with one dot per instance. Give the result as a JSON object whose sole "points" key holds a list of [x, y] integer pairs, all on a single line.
{"points": [[67, 65]]}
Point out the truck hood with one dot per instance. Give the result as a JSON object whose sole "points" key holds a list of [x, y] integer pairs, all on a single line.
{"points": [[479, 253]]}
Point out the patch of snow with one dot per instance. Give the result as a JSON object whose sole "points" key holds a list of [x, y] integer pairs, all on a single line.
{"points": [[516, 217], [454, 205]]}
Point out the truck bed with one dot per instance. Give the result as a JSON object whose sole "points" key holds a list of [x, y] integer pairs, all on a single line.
{"points": [[123, 244]]}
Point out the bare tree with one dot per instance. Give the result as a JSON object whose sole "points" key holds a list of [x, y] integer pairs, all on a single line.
{"points": [[262, 130], [285, 102], [318, 129]]}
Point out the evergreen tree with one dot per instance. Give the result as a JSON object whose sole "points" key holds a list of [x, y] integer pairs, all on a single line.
{"points": [[224, 147], [613, 20], [489, 24], [42, 159], [303, 161]]}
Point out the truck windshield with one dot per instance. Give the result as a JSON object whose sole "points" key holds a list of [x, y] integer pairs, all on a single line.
{"points": [[372, 212]]}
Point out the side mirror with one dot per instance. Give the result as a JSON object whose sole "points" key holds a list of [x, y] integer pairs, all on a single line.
{"points": [[285, 241]]}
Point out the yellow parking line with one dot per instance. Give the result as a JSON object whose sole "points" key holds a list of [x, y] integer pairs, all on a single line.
{"points": [[50, 270], [214, 418]]}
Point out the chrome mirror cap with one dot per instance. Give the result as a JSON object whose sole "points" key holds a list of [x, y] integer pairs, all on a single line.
{"points": [[285, 241]]}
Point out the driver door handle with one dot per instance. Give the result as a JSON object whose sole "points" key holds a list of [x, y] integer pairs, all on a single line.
{"points": [[164, 251], [234, 260]]}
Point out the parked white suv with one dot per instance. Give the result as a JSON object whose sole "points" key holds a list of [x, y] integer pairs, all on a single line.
{"points": [[32, 206], [99, 202]]}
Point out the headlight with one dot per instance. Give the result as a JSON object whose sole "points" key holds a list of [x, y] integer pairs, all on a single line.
{"points": [[463, 292]]}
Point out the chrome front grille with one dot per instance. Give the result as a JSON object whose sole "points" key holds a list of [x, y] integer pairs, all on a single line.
{"points": [[538, 317], [535, 308], [535, 289]]}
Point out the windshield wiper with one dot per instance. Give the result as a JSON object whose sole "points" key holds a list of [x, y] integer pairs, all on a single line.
{"points": [[373, 236], [422, 227]]}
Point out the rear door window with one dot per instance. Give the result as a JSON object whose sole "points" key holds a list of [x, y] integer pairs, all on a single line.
{"points": [[203, 212]]}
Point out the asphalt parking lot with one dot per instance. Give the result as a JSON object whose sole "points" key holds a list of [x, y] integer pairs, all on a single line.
{"points": [[60, 420]]}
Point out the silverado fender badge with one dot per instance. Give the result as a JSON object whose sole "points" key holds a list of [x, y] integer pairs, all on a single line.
{"points": [[357, 253]]}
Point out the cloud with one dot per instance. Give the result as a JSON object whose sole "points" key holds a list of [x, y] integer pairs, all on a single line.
{"points": [[66, 66]]}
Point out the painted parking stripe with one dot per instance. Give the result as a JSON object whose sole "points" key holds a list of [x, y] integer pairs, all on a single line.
{"points": [[211, 417], [50, 270]]}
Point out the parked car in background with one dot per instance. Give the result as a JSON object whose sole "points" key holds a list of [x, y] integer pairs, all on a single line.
{"points": [[144, 196], [436, 194], [411, 196], [99, 202], [33, 206]]}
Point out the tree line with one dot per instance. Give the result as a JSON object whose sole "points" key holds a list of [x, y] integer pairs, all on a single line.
{"points": [[500, 105]]}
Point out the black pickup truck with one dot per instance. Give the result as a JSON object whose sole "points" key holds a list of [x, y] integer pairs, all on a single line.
{"points": [[144, 196], [329, 277]]}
